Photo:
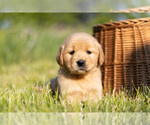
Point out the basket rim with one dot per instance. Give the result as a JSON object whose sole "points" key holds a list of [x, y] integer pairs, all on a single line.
{"points": [[122, 23]]}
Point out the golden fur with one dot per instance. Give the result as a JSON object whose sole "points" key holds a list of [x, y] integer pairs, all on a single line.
{"points": [[79, 76]]}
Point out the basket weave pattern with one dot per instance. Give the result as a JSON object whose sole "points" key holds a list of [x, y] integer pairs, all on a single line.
{"points": [[126, 45]]}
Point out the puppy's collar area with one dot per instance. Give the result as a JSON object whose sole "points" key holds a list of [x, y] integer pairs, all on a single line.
{"points": [[71, 75]]}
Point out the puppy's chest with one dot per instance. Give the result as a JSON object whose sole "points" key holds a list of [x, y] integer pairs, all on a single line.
{"points": [[86, 85]]}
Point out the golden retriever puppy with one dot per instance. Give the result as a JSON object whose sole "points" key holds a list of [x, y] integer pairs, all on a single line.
{"points": [[79, 77]]}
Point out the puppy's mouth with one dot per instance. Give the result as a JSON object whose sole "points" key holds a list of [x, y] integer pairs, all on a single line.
{"points": [[81, 70]]}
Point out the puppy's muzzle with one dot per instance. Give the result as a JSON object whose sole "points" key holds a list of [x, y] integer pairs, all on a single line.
{"points": [[81, 63]]}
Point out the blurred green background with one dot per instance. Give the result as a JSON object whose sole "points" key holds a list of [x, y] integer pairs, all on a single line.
{"points": [[70, 5], [27, 37]]}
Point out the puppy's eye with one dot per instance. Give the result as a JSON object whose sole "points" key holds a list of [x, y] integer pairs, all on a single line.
{"points": [[89, 52], [72, 52]]}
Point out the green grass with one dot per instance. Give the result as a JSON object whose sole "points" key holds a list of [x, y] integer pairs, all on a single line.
{"points": [[18, 93], [27, 99]]}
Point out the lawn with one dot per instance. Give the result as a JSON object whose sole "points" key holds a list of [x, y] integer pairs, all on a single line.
{"points": [[18, 93]]}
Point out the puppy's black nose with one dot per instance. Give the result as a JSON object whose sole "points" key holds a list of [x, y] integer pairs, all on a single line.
{"points": [[80, 63]]}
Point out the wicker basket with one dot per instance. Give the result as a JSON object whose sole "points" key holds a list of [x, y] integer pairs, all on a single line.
{"points": [[126, 45]]}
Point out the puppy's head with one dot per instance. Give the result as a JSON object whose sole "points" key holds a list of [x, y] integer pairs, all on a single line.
{"points": [[80, 53]]}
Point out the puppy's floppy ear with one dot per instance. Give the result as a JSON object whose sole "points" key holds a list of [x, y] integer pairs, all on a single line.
{"points": [[59, 56], [101, 56]]}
